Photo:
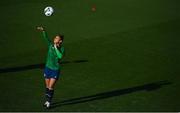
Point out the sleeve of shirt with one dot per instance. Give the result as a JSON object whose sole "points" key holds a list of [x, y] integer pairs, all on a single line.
{"points": [[45, 36], [59, 54]]}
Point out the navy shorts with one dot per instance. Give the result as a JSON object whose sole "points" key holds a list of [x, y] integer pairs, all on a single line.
{"points": [[49, 73]]}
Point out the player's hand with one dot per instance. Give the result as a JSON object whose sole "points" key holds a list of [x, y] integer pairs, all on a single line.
{"points": [[55, 46], [40, 28]]}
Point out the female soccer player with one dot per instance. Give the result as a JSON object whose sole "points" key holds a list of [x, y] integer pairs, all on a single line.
{"points": [[52, 67]]}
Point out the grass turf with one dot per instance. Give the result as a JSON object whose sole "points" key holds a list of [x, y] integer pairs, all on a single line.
{"points": [[123, 57]]}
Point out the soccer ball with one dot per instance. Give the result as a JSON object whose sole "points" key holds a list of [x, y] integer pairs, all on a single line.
{"points": [[48, 11]]}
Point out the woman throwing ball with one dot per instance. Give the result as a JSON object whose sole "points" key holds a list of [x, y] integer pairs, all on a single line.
{"points": [[52, 67]]}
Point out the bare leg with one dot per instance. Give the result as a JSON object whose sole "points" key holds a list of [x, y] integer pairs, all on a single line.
{"points": [[52, 83], [47, 82]]}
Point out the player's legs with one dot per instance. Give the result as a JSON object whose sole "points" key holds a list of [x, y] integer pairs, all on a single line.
{"points": [[47, 87], [47, 82], [47, 103], [51, 76], [52, 83], [47, 76]]}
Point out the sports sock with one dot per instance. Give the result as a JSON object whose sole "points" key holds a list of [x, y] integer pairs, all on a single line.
{"points": [[47, 93], [50, 95]]}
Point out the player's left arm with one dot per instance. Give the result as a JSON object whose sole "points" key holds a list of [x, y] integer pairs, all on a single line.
{"points": [[59, 54]]}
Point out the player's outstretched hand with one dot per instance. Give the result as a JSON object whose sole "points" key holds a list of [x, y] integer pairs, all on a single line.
{"points": [[40, 28]]}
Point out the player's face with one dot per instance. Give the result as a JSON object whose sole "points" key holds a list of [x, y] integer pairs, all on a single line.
{"points": [[57, 40]]}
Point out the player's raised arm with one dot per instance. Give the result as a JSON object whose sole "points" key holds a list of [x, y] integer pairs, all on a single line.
{"points": [[40, 28]]}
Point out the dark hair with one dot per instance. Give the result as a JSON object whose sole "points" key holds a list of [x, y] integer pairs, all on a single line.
{"points": [[61, 36]]}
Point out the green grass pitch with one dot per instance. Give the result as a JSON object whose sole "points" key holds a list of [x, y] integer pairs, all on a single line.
{"points": [[122, 57]]}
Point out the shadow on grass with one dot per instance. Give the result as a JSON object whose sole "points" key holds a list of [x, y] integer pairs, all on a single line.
{"points": [[34, 66], [146, 87]]}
